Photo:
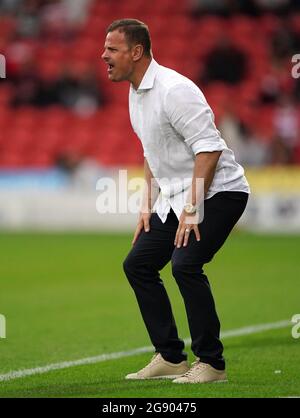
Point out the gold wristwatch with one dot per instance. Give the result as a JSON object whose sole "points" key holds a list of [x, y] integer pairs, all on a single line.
{"points": [[189, 208]]}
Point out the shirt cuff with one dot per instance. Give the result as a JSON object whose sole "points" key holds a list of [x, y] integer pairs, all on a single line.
{"points": [[206, 144]]}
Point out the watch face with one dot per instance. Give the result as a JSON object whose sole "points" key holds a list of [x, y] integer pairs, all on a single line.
{"points": [[189, 208]]}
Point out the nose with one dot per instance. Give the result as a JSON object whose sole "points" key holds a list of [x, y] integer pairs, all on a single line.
{"points": [[104, 56]]}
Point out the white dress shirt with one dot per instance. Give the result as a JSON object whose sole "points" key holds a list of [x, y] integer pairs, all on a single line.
{"points": [[171, 117]]}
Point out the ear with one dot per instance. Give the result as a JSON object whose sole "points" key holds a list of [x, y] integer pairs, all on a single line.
{"points": [[137, 52]]}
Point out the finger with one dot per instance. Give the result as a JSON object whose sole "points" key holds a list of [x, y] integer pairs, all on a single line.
{"points": [[146, 225], [186, 236], [137, 233], [180, 237], [197, 233], [177, 234]]}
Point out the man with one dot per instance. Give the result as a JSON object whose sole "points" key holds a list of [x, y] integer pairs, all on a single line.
{"points": [[181, 145]]}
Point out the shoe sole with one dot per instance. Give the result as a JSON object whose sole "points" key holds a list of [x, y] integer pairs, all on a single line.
{"points": [[201, 383], [175, 376]]}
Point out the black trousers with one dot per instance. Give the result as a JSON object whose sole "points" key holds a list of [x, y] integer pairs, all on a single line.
{"points": [[154, 249]]}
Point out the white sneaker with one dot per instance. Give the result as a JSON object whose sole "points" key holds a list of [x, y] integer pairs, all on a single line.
{"points": [[158, 368], [202, 373]]}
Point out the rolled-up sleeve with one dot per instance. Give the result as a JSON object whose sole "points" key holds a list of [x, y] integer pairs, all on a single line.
{"points": [[192, 118]]}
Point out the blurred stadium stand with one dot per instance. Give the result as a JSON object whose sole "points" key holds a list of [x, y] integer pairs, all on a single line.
{"points": [[57, 107], [57, 98]]}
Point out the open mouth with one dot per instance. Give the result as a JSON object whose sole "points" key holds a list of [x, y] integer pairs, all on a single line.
{"points": [[110, 67]]}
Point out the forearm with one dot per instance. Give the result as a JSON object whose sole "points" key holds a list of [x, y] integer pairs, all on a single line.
{"points": [[203, 174], [151, 189]]}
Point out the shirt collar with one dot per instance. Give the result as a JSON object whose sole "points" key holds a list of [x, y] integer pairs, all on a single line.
{"points": [[149, 76]]}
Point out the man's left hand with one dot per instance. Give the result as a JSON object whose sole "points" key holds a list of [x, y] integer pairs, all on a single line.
{"points": [[187, 224]]}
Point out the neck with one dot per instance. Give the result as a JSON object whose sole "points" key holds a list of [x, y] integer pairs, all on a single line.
{"points": [[139, 72]]}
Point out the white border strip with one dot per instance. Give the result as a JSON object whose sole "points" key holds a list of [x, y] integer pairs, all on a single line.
{"points": [[253, 329]]}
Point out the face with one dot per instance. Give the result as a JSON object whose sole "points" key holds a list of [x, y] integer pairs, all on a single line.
{"points": [[118, 56]]}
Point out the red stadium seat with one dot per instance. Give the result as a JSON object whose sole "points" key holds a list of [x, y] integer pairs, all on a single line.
{"points": [[12, 160], [295, 19], [6, 94], [268, 23], [35, 136], [8, 27], [264, 123], [39, 159]]}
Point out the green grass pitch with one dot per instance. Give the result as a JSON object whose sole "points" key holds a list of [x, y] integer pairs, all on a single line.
{"points": [[65, 297]]}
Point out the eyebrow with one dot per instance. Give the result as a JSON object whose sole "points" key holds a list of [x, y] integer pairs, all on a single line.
{"points": [[110, 48]]}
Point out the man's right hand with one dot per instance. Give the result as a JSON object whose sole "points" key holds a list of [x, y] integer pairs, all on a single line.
{"points": [[143, 223]]}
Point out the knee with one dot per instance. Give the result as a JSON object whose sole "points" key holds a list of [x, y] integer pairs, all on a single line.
{"points": [[183, 271], [133, 269], [179, 269], [128, 268], [128, 265]]}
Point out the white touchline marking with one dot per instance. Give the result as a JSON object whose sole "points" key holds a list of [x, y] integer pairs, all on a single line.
{"points": [[253, 329]]}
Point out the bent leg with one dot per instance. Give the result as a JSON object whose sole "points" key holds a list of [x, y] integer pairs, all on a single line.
{"points": [[151, 252], [221, 213]]}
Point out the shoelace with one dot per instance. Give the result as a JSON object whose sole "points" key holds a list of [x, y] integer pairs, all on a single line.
{"points": [[195, 368]]}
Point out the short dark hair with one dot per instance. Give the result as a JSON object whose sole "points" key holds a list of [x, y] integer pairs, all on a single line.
{"points": [[136, 32]]}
